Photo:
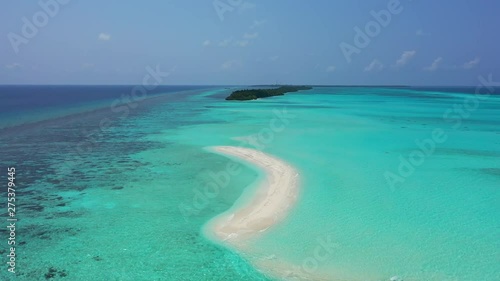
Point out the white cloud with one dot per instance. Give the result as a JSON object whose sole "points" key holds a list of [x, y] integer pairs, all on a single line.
{"points": [[246, 6], [274, 58], [251, 35], [331, 68], [420, 32], [238, 43], [375, 65], [241, 43], [257, 23], [471, 64], [435, 64], [14, 65], [225, 43], [229, 64], [104, 36], [206, 43], [405, 58]]}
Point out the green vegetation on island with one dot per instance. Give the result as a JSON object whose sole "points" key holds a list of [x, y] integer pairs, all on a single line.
{"points": [[253, 94]]}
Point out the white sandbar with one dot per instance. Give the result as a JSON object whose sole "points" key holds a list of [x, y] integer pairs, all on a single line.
{"points": [[270, 204]]}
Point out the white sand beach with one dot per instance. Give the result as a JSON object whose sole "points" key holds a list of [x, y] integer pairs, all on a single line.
{"points": [[274, 197], [270, 204]]}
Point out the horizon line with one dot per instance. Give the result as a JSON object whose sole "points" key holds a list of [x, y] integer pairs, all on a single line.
{"points": [[250, 85]]}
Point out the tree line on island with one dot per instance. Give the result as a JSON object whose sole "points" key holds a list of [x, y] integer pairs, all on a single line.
{"points": [[253, 94]]}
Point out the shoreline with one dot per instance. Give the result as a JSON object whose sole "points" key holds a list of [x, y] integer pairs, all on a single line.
{"points": [[274, 196]]}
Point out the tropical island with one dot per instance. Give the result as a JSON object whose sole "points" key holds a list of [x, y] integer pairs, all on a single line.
{"points": [[253, 94]]}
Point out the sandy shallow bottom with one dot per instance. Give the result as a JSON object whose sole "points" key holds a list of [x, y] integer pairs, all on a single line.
{"points": [[272, 200], [270, 204]]}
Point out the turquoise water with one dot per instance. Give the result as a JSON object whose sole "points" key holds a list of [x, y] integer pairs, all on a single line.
{"points": [[132, 205]]}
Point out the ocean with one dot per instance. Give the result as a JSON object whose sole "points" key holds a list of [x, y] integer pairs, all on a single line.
{"points": [[398, 183]]}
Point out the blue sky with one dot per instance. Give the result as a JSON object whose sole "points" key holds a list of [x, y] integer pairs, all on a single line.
{"points": [[230, 42]]}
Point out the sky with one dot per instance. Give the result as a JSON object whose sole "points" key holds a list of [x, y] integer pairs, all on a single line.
{"points": [[247, 42]]}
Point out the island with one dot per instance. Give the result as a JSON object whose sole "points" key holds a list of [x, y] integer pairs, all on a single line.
{"points": [[253, 94]]}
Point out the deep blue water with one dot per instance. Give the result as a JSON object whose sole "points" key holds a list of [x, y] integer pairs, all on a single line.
{"points": [[21, 98]]}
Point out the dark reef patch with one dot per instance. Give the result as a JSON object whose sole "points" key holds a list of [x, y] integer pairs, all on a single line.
{"points": [[53, 272], [32, 207], [491, 171], [69, 214]]}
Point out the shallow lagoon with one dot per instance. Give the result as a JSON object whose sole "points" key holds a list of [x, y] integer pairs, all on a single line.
{"points": [[116, 211]]}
